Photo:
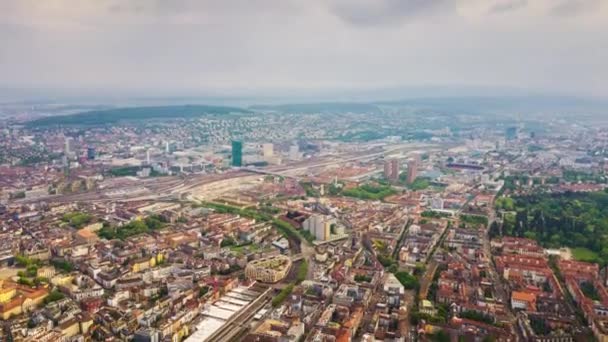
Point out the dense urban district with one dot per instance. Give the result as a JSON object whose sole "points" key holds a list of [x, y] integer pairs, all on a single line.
{"points": [[324, 223]]}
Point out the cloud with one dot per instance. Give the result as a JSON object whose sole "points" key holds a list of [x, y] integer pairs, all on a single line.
{"points": [[384, 12], [196, 7], [569, 8], [175, 46], [507, 6]]}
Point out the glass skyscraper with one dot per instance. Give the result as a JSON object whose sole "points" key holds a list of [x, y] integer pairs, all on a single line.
{"points": [[237, 153]]}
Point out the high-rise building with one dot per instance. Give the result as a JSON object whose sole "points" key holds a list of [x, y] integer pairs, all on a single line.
{"points": [[237, 153], [148, 159], [69, 145], [391, 169], [320, 226], [387, 169], [268, 150], [418, 158], [170, 147], [90, 153], [412, 173], [511, 133], [294, 152]]}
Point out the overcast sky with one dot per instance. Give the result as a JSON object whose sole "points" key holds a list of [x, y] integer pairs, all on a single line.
{"points": [[259, 46]]}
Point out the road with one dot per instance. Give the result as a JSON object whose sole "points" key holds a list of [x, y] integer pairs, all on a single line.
{"points": [[427, 279], [501, 289]]}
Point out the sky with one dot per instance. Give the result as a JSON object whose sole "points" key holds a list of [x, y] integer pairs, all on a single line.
{"points": [[248, 47]]}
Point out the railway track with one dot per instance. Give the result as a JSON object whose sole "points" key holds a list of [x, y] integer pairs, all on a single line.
{"points": [[238, 324]]}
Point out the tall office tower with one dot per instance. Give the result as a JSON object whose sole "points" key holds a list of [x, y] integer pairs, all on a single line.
{"points": [[387, 169], [268, 150], [148, 159], [391, 169], [418, 158], [411, 171], [170, 147], [90, 153], [69, 145], [294, 152], [511, 133], [237, 153]]}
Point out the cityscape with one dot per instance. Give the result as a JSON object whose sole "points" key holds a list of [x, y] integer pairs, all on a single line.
{"points": [[269, 179]]}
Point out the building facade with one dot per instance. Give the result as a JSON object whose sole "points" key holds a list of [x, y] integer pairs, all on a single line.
{"points": [[237, 153]]}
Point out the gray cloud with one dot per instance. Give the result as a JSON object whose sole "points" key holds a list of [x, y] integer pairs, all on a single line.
{"points": [[507, 6], [229, 46], [568, 8], [384, 12], [173, 7]]}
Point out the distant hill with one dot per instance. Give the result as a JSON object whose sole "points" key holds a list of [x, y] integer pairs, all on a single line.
{"points": [[323, 107], [502, 104], [110, 116]]}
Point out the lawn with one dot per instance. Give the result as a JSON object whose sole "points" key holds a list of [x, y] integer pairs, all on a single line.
{"points": [[370, 192], [242, 249], [584, 254], [419, 183]]}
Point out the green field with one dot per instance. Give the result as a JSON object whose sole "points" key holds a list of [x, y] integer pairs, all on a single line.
{"points": [[584, 254], [370, 192], [250, 248]]}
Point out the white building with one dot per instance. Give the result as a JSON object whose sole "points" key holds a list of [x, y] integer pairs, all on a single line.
{"points": [[268, 150], [69, 145], [393, 285], [320, 226], [437, 203], [294, 152]]}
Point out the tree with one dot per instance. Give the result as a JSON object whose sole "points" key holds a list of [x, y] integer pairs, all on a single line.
{"points": [[440, 336], [63, 265], [494, 230], [203, 291], [408, 281], [477, 316], [53, 297], [280, 298], [227, 242], [77, 219], [302, 272]]}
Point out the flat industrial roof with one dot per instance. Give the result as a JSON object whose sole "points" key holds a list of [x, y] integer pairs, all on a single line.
{"points": [[228, 306], [216, 314], [205, 328], [246, 292], [239, 296], [233, 301]]}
